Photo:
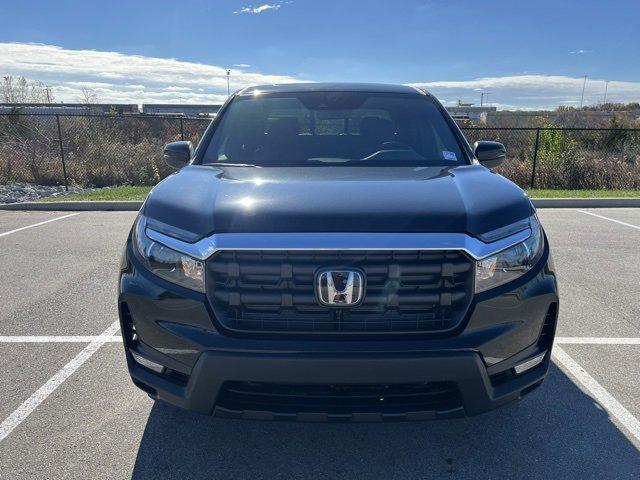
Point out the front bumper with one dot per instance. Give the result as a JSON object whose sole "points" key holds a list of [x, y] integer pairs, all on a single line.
{"points": [[175, 328], [213, 369]]}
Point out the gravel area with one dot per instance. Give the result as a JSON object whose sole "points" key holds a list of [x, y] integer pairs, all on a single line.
{"points": [[25, 192]]}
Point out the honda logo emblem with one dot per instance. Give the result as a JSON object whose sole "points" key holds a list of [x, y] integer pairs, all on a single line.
{"points": [[339, 288]]}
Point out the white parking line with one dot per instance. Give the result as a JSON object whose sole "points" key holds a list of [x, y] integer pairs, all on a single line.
{"points": [[615, 408], [38, 224], [610, 219], [58, 338], [40, 395], [599, 340], [118, 338]]}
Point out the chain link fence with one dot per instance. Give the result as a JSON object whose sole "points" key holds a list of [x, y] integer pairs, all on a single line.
{"points": [[98, 151], [567, 158], [90, 150]]}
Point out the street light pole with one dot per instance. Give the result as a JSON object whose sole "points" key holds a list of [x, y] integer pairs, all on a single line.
{"points": [[584, 84], [228, 74], [606, 87]]}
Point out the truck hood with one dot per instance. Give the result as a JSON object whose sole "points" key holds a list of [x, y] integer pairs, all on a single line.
{"points": [[201, 200]]}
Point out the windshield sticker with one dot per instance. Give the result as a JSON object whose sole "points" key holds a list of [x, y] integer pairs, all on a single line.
{"points": [[451, 156]]}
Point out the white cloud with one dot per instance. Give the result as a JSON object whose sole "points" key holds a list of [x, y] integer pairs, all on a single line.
{"points": [[242, 65], [89, 84], [579, 52], [118, 77], [533, 91], [176, 88], [121, 78], [260, 9]]}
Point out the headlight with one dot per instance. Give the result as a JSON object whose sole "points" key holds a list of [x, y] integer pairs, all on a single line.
{"points": [[166, 263], [511, 263]]}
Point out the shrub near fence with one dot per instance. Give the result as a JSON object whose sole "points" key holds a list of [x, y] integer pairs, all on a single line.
{"points": [[567, 158], [127, 150]]}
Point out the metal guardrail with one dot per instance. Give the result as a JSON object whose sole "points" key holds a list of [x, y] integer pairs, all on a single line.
{"points": [[102, 150]]}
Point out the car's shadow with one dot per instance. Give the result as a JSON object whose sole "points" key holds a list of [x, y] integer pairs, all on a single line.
{"points": [[556, 432]]}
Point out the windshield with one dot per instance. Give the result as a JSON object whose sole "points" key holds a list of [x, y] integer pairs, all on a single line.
{"points": [[334, 128]]}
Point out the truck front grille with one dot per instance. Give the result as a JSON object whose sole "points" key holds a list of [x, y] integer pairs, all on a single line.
{"points": [[274, 291]]}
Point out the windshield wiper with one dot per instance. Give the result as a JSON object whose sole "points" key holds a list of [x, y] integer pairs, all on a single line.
{"points": [[220, 164], [329, 160]]}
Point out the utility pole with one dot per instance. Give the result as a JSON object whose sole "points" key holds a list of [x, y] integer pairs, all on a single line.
{"points": [[228, 74], [584, 84], [481, 98], [606, 87]]}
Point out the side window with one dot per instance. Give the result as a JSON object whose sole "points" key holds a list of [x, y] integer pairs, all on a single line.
{"points": [[346, 122], [330, 124], [289, 108]]}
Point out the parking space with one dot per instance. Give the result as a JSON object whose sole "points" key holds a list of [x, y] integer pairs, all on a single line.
{"points": [[13, 220], [630, 216], [26, 366], [60, 277], [615, 367], [597, 262], [91, 422]]}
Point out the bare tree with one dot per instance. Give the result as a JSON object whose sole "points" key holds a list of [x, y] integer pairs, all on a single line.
{"points": [[20, 90], [87, 96], [14, 90]]}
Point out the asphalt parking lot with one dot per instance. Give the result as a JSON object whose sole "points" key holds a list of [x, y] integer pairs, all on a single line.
{"points": [[69, 410]]}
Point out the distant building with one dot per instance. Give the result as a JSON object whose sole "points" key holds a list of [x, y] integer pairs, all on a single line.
{"points": [[459, 112], [564, 117], [70, 108], [188, 110], [471, 113]]}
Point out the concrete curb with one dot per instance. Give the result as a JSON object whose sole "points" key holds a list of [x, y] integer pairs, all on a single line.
{"points": [[618, 202], [76, 206], [134, 206]]}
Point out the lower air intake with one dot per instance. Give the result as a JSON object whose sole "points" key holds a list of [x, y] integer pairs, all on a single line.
{"points": [[335, 402]]}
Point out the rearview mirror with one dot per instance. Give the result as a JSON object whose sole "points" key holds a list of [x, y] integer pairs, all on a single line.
{"points": [[489, 154], [178, 154]]}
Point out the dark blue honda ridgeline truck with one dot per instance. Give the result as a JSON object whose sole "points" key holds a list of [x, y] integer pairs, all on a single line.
{"points": [[337, 252]]}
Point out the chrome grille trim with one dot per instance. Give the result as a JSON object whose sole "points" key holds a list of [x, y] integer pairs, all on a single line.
{"points": [[204, 248]]}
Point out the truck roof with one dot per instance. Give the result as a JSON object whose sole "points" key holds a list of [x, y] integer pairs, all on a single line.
{"points": [[332, 87]]}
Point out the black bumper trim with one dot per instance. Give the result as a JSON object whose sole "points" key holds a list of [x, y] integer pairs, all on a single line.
{"points": [[223, 412], [213, 368]]}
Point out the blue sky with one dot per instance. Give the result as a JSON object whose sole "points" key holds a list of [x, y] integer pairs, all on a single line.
{"points": [[526, 54]]}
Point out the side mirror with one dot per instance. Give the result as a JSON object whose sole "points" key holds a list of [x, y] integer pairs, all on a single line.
{"points": [[178, 154], [489, 154]]}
